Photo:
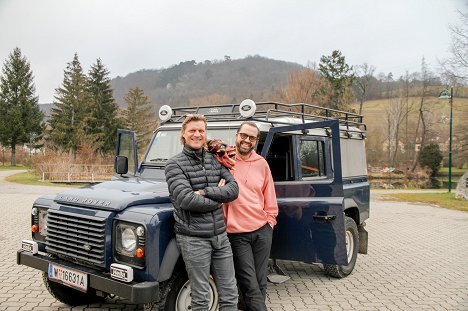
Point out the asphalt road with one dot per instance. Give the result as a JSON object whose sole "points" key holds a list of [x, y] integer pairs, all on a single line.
{"points": [[418, 260]]}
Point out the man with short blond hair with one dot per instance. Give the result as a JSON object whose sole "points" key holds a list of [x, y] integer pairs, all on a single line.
{"points": [[198, 184]]}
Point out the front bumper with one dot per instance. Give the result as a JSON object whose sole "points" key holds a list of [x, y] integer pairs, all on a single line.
{"points": [[135, 292]]}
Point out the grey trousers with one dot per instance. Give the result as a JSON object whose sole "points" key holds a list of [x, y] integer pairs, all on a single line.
{"points": [[201, 254], [251, 252]]}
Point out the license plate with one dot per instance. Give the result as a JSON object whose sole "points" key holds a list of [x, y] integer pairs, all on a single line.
{"points": [[68, 277]]}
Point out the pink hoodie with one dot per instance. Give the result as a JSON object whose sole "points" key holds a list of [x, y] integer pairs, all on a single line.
{"points": [[256, 204]]}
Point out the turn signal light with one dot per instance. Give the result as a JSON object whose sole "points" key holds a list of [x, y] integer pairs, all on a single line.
{"points": [[139, 253], [34, 228]]}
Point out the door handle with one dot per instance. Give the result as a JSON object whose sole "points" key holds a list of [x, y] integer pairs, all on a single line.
{"points": [[324, 218]]}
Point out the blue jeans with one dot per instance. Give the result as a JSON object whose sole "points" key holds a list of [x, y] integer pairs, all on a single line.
{"points": [[201, 254]]}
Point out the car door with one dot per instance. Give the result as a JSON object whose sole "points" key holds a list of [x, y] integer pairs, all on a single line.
{"points": [[310, 198]]}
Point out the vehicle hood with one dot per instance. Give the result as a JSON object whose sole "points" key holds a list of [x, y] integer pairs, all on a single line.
{"points": [[116, 195]]}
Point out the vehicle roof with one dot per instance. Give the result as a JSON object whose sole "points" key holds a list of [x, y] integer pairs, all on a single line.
{"points": [[265, 126], [266, 115]]}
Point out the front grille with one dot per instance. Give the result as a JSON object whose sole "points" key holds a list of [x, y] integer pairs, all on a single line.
{"points": [[78, 237]]}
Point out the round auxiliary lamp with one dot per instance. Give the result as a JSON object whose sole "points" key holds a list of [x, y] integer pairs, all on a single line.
{"points": [[165, 113], [247, 108]]}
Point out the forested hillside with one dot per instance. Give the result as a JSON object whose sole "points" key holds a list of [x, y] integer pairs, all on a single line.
{"points": [[220, 82]]}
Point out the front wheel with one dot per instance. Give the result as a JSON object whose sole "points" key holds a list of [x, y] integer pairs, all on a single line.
{"points": [[68, 295], [352, 247], [176, 294]]}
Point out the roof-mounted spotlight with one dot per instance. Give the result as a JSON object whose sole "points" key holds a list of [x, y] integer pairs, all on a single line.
{"points": [[165, 113], [247, 108]]}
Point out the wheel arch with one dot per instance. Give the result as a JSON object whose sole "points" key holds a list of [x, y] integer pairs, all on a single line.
{"points": [[351, 210], [171, 259]]}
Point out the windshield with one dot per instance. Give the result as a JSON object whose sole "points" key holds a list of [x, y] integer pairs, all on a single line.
{"points": [[166, 143]]}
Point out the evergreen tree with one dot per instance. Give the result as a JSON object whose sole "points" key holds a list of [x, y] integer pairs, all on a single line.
{"points": [[102, 120], [340, 75], [139, 116], [20, 117], [431, 158], [71, 105]]}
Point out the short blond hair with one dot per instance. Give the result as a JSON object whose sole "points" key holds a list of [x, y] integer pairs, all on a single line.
{"points": [[189, 118]]}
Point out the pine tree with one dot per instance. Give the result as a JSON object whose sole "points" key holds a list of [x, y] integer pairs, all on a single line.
{"points": [[139, 116], [20, 117], [67, 120], [340, 75], [102, 120]]}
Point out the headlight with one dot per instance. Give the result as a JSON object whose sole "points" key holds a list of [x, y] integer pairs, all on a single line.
{"points": [[129, 241]]}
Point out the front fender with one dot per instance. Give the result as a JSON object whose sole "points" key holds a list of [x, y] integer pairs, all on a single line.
{"points": [[171, 256]]}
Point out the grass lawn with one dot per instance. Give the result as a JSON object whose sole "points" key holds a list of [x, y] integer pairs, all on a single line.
{"points": [[28, 178], [9, 167], [445, 200], [455, 171]]}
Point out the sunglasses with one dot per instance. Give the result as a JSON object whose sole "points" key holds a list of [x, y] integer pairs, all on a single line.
{"points": [[251, 138]]}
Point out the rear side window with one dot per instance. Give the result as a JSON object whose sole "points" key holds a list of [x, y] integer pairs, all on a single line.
{"points": [[312, 157]]}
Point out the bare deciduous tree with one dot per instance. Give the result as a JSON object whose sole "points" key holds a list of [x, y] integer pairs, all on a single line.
{"points": [[420, 136], [455, 71], [212, 99], [397, 111], [305, 86], [455, 68], [363, 74]]}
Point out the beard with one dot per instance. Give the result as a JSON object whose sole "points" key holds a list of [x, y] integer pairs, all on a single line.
{"points": [[244, 150]]}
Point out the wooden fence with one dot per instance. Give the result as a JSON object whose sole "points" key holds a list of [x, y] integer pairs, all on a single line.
{"points": [[76, 173]]}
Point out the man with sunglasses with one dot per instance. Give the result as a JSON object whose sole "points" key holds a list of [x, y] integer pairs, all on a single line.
{"points": [[251, 217]]}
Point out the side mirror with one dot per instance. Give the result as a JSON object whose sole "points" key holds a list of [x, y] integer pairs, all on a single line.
{"points": [[121, 165]]}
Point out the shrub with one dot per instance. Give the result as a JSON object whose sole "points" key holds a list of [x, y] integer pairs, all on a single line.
{"points": [[431, 157], [87, 166]]}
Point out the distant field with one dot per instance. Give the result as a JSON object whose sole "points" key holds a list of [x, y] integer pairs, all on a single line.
{"points": [[375, 112], [375, 117]]}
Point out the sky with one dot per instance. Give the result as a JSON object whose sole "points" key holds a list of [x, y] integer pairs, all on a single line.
{"points": [[131, 35]]}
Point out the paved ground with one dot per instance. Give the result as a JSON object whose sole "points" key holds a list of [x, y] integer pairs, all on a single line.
{"points": [[418, 260]]}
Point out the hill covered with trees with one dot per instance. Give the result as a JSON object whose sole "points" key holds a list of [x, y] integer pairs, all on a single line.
{"points": [[220, 82]]}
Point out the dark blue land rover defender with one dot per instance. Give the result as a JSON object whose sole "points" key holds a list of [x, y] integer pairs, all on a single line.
{"points": [[116, 238]]}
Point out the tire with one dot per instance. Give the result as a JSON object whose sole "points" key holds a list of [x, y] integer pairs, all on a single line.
{"points": [[68, 295], [176, 293], [352, 248]]}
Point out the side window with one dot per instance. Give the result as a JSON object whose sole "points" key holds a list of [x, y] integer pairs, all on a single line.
{"points": [[279, 158], [312, 157]]}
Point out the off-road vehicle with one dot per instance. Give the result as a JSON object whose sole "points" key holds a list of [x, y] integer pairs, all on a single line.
{"points": [[117, 238]]}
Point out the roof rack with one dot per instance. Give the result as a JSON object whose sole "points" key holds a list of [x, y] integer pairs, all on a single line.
{"points": [[269, 112]]}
